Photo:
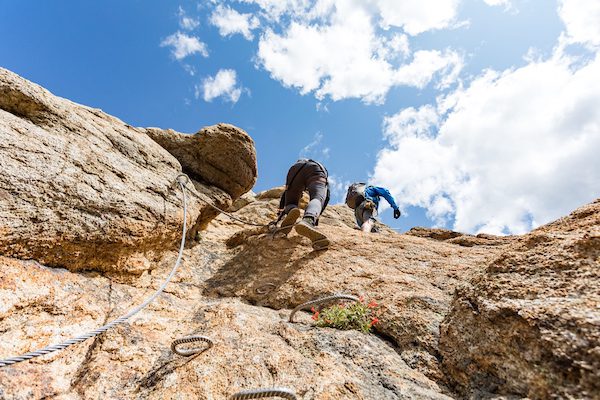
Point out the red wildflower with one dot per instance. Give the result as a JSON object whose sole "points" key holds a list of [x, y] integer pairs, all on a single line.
{"points": [[316, 316], [374, 321], [372, 304], [313, 309]]}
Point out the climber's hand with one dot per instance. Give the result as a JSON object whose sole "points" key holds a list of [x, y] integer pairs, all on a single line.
{"points": [[396, 213]]}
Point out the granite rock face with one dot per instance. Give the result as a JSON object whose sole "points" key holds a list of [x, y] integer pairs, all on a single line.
{"points": [[83, 190], [462, 239], [221, 155], [88, 223], [253, 346], [412, 278], [530, 324]]}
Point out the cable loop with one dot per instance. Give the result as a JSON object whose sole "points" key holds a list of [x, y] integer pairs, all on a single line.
{"points": [[322, 300], [266, 288], [282, 392], [60, 346], [187, 179], [191, 339]]}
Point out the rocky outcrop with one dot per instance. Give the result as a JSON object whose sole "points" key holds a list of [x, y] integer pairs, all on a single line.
{"points": [[461, 316], [530, 324], [83, 190], [412, 278], [461, 239], [253, 346], [433, 233], [243, 201], [222, 155]]}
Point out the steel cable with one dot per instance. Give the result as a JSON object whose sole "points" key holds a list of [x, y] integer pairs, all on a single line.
{"points": [[120, 320], [234, 217], [263, 393], [191, 339], [265, 288], [271, 224]]}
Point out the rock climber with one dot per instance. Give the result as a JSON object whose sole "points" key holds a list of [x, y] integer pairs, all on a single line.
{"points": [[364, 199], [304, 175]]}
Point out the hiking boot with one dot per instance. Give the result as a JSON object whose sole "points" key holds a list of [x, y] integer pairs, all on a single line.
{"points": [[307, 228], [288, 222]]}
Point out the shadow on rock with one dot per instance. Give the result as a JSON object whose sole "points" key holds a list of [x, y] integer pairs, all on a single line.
{"points": [[263, 264]]}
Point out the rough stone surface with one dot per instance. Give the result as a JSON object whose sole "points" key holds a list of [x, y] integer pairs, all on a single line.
{"points": [[83, 190], [412, 278], [222, 155], [461, 239], [243, 201], [253, 346], [433, 233], [273, 193], [530, 324], [461, 316]]}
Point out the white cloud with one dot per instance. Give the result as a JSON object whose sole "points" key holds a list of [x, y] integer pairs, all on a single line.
{"points": [[414, 16], [346, 58], [189, 69], [338, 187], [274, 9], [411, 123], [418, 16], [516, 150], [223, 84], [185, 22], [426, 64], [398, 45], [505, 3], [183, 45], [582, 20], [315, 149], [333, 49], [230, 22]]}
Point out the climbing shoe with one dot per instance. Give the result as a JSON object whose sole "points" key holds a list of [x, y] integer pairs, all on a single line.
{"points": [[288, 222], [307, 228]]}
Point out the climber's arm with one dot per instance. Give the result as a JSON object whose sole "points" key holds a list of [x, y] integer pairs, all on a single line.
{"points": [[383, 192]]}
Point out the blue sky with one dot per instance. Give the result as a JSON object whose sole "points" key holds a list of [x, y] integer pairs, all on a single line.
{"points": [[478, 115]]}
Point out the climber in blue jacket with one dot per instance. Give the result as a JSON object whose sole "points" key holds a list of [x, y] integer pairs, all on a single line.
{"points": [[366, 211]]}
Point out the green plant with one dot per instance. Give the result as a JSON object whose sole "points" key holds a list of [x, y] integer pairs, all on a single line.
{"points": [[359, 315]]}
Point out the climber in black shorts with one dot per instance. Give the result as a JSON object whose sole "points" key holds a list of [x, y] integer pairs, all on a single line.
{"points": [[311, 176]]}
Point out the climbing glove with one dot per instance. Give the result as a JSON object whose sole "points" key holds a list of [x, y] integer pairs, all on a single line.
{"points": [[396, 213]]}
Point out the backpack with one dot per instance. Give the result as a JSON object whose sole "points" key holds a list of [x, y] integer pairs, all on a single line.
{"points": [[355, 194]]}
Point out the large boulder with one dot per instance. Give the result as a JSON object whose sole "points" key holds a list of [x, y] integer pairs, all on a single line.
{"points": [[530, 325], [81, 189], [222, 155]]}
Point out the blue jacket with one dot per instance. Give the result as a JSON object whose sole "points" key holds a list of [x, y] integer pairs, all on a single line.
{"points": [[374, 192]]}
